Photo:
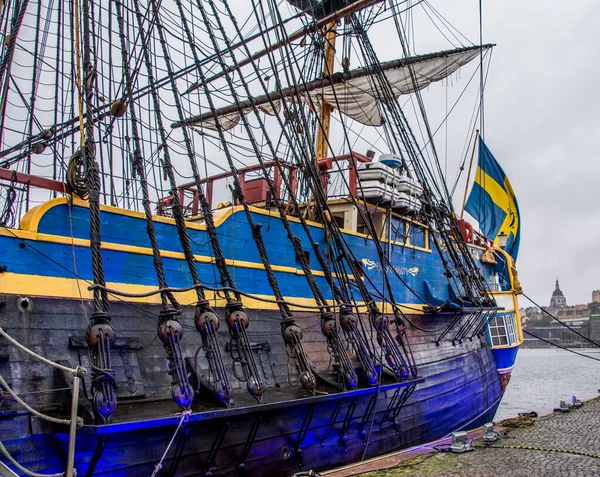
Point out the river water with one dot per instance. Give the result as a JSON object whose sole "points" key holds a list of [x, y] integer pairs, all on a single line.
{"points": [[542, 377]]}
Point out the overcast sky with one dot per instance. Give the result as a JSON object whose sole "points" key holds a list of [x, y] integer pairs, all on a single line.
{"points": [[542, 123]]}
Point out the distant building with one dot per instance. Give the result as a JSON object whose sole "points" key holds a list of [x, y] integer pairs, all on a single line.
{"points": [[583, 318], [529, 313], [558, 299], [596, 296], [595, 321]]}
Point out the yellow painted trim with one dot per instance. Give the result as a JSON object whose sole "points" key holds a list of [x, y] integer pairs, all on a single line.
{"points": [[510, 263], [478, 247], [374, 206], [398, 243], [31, 219], [25, 235], [518, 343], [518, 324], [518, 318], [358, 234], [30, 223], [54, 287]]}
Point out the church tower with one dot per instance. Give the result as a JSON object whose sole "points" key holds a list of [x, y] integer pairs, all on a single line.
{"points": [[558, 299]]}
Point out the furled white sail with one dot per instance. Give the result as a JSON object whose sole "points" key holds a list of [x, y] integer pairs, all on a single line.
{"points": [[355, 94]]}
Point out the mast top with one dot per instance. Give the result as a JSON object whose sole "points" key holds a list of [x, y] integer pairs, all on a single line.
{"points": [[319, 9]]}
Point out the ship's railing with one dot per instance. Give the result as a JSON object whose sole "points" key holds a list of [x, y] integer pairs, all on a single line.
{"points": [[252, 181], [74, 422], [339, 175], [338, 178]]}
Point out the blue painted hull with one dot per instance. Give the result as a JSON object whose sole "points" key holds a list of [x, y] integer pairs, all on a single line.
{"points": [[54, 254], [458, 385]]}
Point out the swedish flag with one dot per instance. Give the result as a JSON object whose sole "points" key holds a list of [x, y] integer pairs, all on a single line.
{"points": [[493, 203]]}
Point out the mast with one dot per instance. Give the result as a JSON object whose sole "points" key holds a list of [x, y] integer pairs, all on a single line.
{"points": [[462, 210], [342, 12], [322, 145]]}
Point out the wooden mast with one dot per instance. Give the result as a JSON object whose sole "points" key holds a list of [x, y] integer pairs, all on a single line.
{"points": [[462, 211], [322, 147]]}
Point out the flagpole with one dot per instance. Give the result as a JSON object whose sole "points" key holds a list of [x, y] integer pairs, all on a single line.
{"points": [[462, 211]]}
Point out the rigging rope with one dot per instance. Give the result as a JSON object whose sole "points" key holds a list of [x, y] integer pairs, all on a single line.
{"points": [[552, 343], [206, 320], [328, 324], [7, 217], [595, 343], [351, 324], [169, 328], [100, 334], [185, 415], [291, 332], [471, 280], [379, 321]]}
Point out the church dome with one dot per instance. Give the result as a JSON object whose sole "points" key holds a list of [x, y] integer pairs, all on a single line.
{"points": [[557, 292], [558, 298]]}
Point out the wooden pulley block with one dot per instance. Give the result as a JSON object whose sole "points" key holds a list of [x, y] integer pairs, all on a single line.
{"points": [[118, 108]]}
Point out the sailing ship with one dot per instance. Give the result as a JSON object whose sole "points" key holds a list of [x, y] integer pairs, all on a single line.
{"points": [[200, 275]]}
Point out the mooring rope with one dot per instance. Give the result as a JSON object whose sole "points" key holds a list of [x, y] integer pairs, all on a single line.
{"points": [[185, 415], [54, 420], [12, 460], [80, 371], [546, 449], [74, 422], [595, 343]]}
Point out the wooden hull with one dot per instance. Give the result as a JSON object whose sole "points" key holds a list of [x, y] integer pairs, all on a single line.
{"points": [[458, 387]]}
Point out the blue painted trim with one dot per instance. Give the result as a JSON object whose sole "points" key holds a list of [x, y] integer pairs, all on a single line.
{"points": [[505, 357]]}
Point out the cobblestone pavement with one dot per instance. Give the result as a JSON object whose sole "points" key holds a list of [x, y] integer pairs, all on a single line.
{"points": [[578, 430]]}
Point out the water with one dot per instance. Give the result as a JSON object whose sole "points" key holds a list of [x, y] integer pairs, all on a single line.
{"points": [[542, 377]]}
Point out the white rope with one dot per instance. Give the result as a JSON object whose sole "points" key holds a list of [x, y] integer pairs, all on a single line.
{"points": [[80, 371], [185, 415], [54, 420], [23, 469]]}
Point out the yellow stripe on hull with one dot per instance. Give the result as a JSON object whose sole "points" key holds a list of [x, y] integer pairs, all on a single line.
{"points": [[72, 288]]}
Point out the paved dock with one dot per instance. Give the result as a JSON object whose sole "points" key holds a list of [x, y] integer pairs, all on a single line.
{"points": [[577, 431]]}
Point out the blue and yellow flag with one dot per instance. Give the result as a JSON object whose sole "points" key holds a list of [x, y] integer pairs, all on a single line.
{"points": [[493, 203]]}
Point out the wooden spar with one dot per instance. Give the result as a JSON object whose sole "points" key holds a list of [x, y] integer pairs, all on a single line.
{"points": [[462, 211], [316, 26], [333, 79], [35, 181], [322, 146]]}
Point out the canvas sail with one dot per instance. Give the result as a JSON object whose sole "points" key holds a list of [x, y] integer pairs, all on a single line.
{"points": [[354, 93]]}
